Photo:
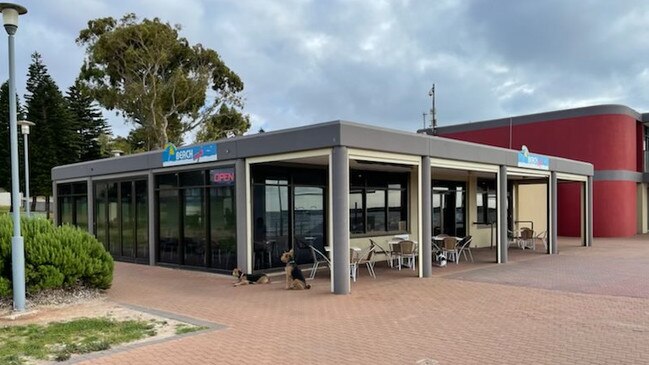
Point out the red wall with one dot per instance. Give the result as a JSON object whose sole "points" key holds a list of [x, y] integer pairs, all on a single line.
{"points": [[609, 142], [614, 209]]}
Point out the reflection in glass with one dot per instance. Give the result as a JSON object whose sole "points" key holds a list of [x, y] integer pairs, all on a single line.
{"points": [[194, 227], [113, 221], [223, 228], [449, 208], [397, 214], [81, 211], [100, 215], [142, 219], [308, 221], [356, 212], [128, 221], [375, 210], [65, 204], [168, 226]]}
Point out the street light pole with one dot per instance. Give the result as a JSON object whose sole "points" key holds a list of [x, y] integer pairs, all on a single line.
{"points": [[10, 13], [24, 128]]}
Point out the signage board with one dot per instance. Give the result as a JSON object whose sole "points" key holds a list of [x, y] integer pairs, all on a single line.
{"points": [[532, 161], [172, 156], [222, 176]]}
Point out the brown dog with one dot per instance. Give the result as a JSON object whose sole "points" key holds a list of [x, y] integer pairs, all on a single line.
{"points": [[245, 279], [294, 278]]}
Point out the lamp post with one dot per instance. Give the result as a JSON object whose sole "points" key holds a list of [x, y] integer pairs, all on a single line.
{"points": [[24, 128], [10, 13]]}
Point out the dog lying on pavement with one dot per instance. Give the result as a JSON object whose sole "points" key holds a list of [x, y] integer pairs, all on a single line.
{"points": [[294, 278], [245, 279]]}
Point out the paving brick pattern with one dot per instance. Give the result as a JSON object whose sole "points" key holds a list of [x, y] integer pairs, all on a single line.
{"points": [[585, 306]]}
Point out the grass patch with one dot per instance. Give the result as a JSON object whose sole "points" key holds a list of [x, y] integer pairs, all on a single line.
{"points": [[187, 328], [4, 209], [58, 340]]}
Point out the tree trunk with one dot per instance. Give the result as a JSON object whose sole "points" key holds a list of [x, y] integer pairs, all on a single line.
{"points": [[47, 206], [33, 209]]}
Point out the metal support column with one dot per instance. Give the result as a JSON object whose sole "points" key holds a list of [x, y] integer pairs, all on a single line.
{"points": [[588, 211], [241, 202], [339, 171], [502, 215], [90, 200], [151, 214], [426, 220], [552, 226]]}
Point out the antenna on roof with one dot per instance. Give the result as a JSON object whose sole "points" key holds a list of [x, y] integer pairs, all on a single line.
{"points": [[424, 117], [433, 118]]}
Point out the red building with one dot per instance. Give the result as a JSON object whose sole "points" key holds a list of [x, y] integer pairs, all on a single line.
{"points": [[613, 138]]}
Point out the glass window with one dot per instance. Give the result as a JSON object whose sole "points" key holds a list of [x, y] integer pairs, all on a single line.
{"points": [[378, 202], [81, 212], [194, 227], [142, 219], [397, 214], [375, 210], [166, 181], [449, 208], [192, 178], [114, 233], [223, 228], [168, 225], [67, 212], [356, 211], [127, 219], [100, 214], [486, 201]]}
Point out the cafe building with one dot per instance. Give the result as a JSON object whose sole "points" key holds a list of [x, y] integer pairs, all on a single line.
{"points": [[241, 202]]}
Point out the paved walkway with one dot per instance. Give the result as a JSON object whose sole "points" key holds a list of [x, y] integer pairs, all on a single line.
{"points": [[584, 306]]}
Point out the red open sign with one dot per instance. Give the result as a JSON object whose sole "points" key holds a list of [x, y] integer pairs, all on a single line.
{"points": [[222, 176]]}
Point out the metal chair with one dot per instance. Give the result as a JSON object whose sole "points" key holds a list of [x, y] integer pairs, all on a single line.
{"points": [[450, 248], [319, 258], [408, 252], [463, 247]]}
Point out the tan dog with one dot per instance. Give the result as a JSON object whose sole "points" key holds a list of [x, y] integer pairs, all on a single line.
{"points": [[294, 278], [245, 279]]}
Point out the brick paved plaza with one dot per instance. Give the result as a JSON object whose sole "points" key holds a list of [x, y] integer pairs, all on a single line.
{"points": [[583, 306]]}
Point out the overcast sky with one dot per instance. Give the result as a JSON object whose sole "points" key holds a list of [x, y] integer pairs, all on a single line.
{"points": [[374, 62]]}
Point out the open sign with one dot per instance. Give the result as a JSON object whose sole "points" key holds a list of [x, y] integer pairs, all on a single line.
{"points": [[224, 176]]}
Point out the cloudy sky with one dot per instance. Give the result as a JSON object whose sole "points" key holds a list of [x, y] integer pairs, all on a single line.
{"points": [[374, 61]]}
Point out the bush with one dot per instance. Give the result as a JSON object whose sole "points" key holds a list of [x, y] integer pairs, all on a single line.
{"points": [[55, 257]]}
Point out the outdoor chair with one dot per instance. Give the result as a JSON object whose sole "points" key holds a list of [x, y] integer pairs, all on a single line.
{"points": [[408, 252], [543, 237], [463, 247], [319, 258], [395, 254], [378, 250], [450, 248], [357, 258], [527, 239]]}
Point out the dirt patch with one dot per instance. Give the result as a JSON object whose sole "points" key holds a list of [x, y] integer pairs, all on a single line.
{"points": [[92, 306]]}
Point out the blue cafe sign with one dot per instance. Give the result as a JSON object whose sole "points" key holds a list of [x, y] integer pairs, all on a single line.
{"points": [[532, 161], [172, 156]]}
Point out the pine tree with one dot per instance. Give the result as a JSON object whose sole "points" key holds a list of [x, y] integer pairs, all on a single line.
{"points": [[54, 140], [90, 122]]}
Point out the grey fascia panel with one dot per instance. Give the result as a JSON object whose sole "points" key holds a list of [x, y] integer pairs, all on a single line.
{"points": [[289, 140], [360, 136], [324, 135], [571, 166], [542, 117], [618, 175], [472, 152]]}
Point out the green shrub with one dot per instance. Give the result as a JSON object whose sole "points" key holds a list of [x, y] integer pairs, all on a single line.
{"points": [[55, 257]]}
